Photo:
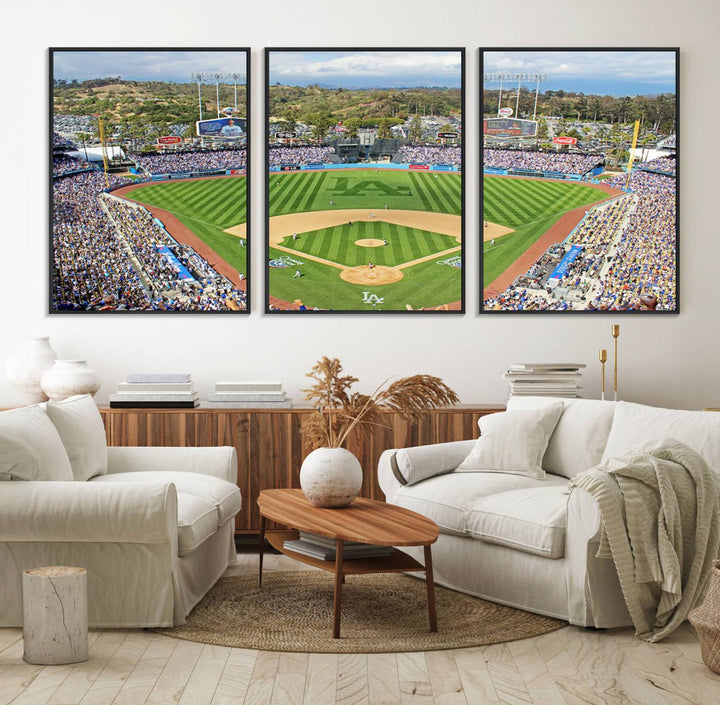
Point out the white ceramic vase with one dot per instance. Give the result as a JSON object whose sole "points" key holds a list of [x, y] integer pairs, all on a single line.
{"points": [[331, 477], [66, 378], [25, 366]]}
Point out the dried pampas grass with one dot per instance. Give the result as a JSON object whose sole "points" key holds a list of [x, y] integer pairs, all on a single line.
{"points": [[338, 410]]}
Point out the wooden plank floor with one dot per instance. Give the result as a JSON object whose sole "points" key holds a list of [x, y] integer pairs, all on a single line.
{"points": [[567, 667]]}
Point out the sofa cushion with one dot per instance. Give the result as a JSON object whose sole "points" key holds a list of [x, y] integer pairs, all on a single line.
{"points": [[81, 429], [634, 424], [421, 462], [197, 521], [446, 499], [223, 495], [513, 442], [30, 447], [532, 520], [580, 437]]}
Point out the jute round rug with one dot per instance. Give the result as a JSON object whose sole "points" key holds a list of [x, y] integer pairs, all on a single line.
{"points": [[380, 613]]}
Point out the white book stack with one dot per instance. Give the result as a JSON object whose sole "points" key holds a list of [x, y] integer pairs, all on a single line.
{"points": [[247, 395], [544, 379], [156, 391]]}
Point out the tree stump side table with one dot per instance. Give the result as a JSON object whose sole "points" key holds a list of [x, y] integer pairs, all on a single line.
{"points": [[55, 624]]}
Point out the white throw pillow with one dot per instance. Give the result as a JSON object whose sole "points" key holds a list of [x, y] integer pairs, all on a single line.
{"points": [[513, 442], [30, 447], [634, 424], [579, 439], [81, 429]]}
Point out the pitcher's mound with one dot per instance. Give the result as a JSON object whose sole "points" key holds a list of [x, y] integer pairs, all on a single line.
{"points": [[370, 242], [379, 274]]}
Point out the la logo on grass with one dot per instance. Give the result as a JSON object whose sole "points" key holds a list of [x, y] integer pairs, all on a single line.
{"points": [[372, 299]]}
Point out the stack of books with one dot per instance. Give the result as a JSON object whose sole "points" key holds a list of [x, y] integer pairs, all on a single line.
{"points": [[545, 379], [323, 548], [156, 391], [247, 395]]}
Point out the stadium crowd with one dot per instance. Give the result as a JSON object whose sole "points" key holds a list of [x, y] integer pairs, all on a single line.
{"points": [[663, 165], [278, 156], [62, 164], [644, 259], [540, 161], [105, 256], [628, 251], [431, 155], [178, 162]]}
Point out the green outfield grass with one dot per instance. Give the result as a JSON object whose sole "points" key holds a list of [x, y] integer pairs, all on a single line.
{"points": [[300, 192], [530, 207], [424, 285], [206, 207]]}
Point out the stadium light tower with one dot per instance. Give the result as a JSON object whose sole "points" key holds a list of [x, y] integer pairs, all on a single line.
{"points": [[536, 78]]}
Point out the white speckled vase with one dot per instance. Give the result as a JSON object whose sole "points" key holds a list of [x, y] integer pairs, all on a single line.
{"points": [[26, 365], [66, 378], [331, 477]]}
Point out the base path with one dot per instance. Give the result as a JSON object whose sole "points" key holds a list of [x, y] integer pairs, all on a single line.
{"points": [[554, 235], [493, 230], [282, 226]]}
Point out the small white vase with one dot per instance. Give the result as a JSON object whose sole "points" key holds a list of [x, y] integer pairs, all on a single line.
{"points": [[25, 366], [331, 477], [66, 378]]}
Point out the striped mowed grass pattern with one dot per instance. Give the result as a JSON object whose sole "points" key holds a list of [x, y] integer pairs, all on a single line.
{"points": [[206, 207], [337, 244], [301, 192], [529, 206]]}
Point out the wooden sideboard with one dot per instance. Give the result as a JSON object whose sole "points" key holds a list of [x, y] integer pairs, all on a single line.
{"points": [[270, 444]]}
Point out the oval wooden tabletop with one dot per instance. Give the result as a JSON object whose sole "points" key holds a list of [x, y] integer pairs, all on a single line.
{"points": [[365, 520]]}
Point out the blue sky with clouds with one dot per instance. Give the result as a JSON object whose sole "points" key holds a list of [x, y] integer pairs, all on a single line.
{"points": [[155, 65], [366, 69], [616, 73]]}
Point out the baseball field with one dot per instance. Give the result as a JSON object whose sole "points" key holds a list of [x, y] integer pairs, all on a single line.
{"points": [[364, 239], [204, 207], [526, 211]]}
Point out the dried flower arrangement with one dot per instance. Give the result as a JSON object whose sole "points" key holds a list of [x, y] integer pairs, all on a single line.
{"points": [[338, 410]]}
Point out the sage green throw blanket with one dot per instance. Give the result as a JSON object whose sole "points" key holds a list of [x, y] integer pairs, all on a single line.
{"points": [[660, 524]]}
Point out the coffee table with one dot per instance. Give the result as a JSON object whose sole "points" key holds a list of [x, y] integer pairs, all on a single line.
{"points": [[364, 520]]}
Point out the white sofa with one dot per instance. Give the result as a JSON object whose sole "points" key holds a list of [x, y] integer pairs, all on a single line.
{"points": [[154, 527], [527, 541]]}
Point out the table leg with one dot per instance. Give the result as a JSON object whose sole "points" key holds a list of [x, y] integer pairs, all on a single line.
{"points": [[261, 549], [429, 580], [337, 597]]}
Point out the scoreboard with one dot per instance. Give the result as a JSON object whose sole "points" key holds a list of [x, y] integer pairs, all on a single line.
{"points": [[509, 127]]}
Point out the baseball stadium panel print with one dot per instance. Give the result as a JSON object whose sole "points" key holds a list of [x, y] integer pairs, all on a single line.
{"points": [[580, 180], [365, 184], [149, 193]]}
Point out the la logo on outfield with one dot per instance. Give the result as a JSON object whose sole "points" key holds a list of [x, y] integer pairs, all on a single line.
{"points": [[373, 299]]}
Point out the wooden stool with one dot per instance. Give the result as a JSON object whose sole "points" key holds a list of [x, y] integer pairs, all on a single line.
{"points": [[55, 625]]}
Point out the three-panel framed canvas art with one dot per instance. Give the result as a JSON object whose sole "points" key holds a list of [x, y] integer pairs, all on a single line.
{"points": [[366, 188]]}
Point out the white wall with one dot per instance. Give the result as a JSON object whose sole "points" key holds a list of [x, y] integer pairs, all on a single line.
{"points": [[668, 360]]}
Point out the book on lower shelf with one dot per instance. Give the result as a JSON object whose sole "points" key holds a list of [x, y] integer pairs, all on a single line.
{"points": [[351, 549]]}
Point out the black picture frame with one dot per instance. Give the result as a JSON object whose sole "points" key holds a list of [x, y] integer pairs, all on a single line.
{"points": [[296, 283], [563, 252], [180, 118]]}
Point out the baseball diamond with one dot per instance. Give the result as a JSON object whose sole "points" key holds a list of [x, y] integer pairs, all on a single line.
{"points": [[365, 239]]}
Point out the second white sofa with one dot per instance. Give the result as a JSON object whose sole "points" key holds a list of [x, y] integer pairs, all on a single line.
{"points": [[525, 540]]}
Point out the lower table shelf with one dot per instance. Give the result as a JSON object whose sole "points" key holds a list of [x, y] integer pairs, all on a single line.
{"points": [[396, 562]]}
